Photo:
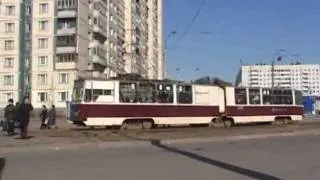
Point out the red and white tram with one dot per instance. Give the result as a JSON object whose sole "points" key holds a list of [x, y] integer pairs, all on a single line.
{"points": [[150, 103]]}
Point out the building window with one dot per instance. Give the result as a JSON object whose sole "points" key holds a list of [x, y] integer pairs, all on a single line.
{"points": [[28, 28], [28, 10], [63, 78], [8, 45], [8, 80], [42, 60], [8, 62], [42, 97], [44, 8], [43, 25], [7, 96], [66, 57], [42, 79], [10, 10], [27, 62], [43, 43], [9, 27], [63, 41], [66, 4], [63, 96]]}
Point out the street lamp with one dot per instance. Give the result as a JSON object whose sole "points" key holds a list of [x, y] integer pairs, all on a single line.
{"points": [[165, 51], [273, 62]]}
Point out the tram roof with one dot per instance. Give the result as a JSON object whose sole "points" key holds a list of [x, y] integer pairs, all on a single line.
{"points": [[136, 77], [129, 77]]}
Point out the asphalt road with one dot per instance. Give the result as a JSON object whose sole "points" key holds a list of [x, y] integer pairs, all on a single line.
{"points": [[286, 158]]}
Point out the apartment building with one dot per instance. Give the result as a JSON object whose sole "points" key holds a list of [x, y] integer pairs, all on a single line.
{"points": [[304, 77], [15, 48], [46, 45], [143, 40]]}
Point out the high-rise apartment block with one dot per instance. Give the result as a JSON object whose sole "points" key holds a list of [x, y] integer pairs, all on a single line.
{"points": [[46, 44], [304, 77]]}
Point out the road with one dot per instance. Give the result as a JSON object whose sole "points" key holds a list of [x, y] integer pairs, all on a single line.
{"points": [[279, 158]]}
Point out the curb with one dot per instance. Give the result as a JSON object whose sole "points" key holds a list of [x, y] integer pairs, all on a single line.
{"points": [[240, 137], [142, 143]]}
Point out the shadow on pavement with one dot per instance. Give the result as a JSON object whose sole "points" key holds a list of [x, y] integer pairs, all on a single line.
{"points": [[246, 172], [2, 165]]}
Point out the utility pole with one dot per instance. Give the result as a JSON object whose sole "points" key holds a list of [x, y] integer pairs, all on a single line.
{"points": [[164, 52]]}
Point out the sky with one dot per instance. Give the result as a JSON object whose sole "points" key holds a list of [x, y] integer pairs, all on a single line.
{"points": [[229, 30]]}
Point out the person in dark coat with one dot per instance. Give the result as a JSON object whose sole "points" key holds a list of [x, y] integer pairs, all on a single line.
{"points": [[17, 115], [24, 116], [52, 117], [10, 116], [43, 117]]}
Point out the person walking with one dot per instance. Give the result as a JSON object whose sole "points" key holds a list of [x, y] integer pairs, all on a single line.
{"points": [[10, 116], [24, 116], [43, 117], [17, 121], [52, 117]]}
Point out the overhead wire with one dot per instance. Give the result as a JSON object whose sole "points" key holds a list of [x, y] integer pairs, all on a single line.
{"points": [[192, 21]]}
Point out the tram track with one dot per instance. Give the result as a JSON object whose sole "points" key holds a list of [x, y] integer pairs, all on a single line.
{"points": [[103, 134]]}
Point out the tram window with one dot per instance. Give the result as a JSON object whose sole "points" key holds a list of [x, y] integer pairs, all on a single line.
{"points": [[146, 93], [287, 97], [277, 97], [184, 94], [88, 95], [254, 96], [267, 96], [97, 93], [164, 93], [240, 95], [298, 97], [77, 94], [128, 92], [108, 92]]}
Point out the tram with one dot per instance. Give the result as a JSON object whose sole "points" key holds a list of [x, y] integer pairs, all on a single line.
{"points": [[152, 103]]}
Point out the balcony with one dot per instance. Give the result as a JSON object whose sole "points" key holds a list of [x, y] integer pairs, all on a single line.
{"points": [[66, 61], [65, 65], [99, 60], [98, 53], [100, 30], [66, 31], [100, 5], [66, 49], [67, 12], [66, 44]]}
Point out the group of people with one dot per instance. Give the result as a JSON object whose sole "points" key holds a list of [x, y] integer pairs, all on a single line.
{"points": [[48, 118], [18, 116]]}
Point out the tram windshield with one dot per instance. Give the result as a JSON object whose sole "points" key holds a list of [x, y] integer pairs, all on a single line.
{"points": [[77, 94]]}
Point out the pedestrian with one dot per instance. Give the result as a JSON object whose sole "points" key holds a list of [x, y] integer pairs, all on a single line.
{"points": [[43, 117], [24, 116], [10, 116], [17, 121], [52, 117]]}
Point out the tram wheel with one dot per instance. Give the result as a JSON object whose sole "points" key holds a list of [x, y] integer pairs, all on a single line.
{"points": [[124, 126], [147, 124], [285, 121], [228, 123]]}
